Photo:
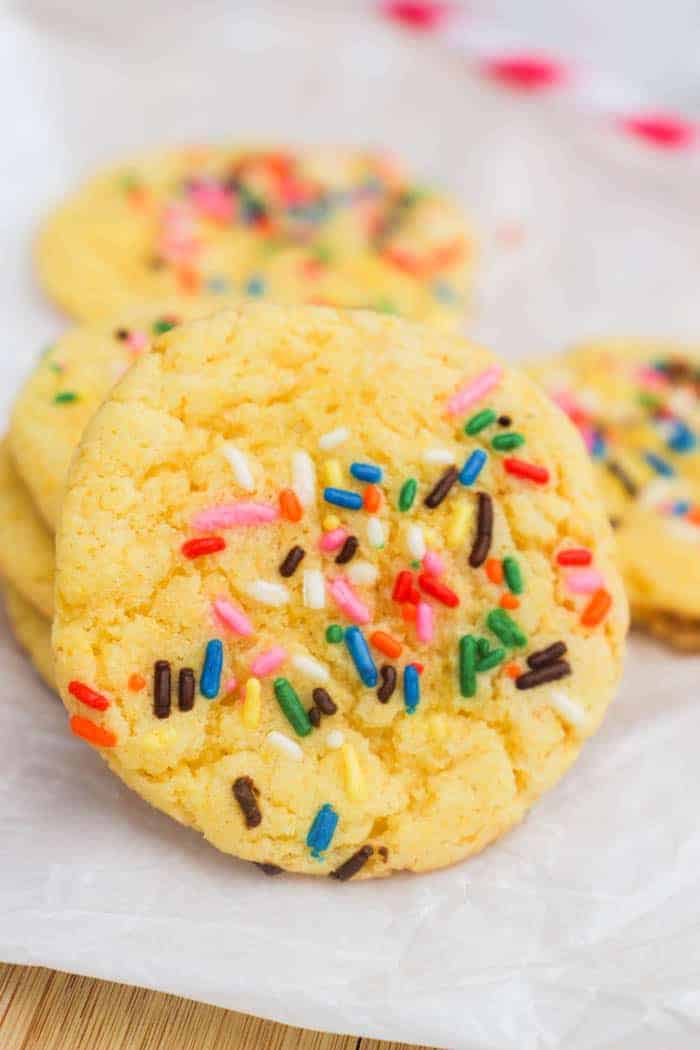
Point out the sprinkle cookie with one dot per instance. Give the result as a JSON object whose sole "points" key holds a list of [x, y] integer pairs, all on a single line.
{"points": [[32, 632], [312, 594], [316, 226], [26, 545], [638, 410]]}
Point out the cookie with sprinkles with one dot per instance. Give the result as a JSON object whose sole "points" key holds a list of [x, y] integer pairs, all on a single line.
{"points": [[317, 225], [31, 630], [26, 545], [392, 703], [637, 407]]}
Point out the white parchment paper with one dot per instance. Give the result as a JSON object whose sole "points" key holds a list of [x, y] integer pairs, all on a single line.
{"points": [[580, 929]]}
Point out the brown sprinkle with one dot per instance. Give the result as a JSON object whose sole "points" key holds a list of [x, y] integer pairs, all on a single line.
{"points": [[244, 791], [268, 869], [185, 689], [292, 561], [353, 864], [629, 485], [348, 551], [161, 689], [383, 853], [441, 488], [484, 530], [549, 673], [387, 674], [314, 717], [546, 656], [324, 702]]}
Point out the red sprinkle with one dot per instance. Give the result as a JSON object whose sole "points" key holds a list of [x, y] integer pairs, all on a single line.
{"points": [[408, 612], [574, 556], [88, 696], [521, 469], [402, 586], [94, 734], [421, 15], [203, 545], [419, 667], [438, 590], [526, 72], [663, 131]]}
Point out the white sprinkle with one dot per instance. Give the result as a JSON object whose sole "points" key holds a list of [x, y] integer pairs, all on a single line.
{"points": [[335, 739], [375, 532], [282, 743], [362, 572], [333, 438], [681, 402], [415, 541], [589, 399], [567, 707], [659, 490], [240, 467], [267, 592], [683, 530], [314, 589], [438, 455], [313, 668], [304, 478]]}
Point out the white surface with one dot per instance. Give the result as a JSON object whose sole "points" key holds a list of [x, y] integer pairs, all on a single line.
{"points": [[580, 929]]}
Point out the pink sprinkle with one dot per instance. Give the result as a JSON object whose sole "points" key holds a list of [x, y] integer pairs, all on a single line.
{"points": [[226, 515], [212, 201], [137, 341], [268, 662], [584, 581], [651, 379], [666, 132], [588, 434], [347, 601], [425, 627], [526, 72], [433, 563], [473, 391], [230, 685], [331, 541], [232, 617]]}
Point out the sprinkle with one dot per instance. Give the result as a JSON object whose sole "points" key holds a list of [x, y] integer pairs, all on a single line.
{"points": [[507, 442], [161, 689], [567, 707], [332, 472], [244, 792], [505, 628], [335, 739], [490, 660], [267, 592], [314, 589], [292, 707], [94, 734], [334, 633], [513, 670], [513, 575], [618, 471], [311, 667], [348, 551], [136, 682], [484, 530], [408, 612], [574, 556], [346, 600], [403, 585], [227, 515], [407, 494], [438, 590], [425, 625], [368, 472], [88, 696], [472, 467], [314, 717], [584, 581], [546, 656], [233, 618], [548, 673], [290, 507], [386, 644], [467, 665], [375, 533], [343, 498], [361, 656], [504, 421], [353, 864], [415, 541], [509, 601], [480, 421], [459, 522], [597, 609], [521, 469], [304, 478], [355, 786], [230, 685], [333, 438], [438, 455], [323, 702], [332, 541], [441, 488], [185, 689], [363, 573], [240, 467], [292, 561], [494, 570], [285, 745], [251, 704], [331, 522], [203, 545], [388, 686], [268, 662], [659, 465], [411, 688], [433, 564], [474, 390], [322, 830], [210, 678], [681, 439], [65, 397], [372, 499]]}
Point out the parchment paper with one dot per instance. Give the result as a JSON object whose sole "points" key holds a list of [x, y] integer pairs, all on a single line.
{"points": [[580, 929]]}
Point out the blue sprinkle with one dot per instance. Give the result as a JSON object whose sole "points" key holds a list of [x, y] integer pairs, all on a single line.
{"points": [[444, 293], [411, 688], [255, 286], [218, 285], [343, 498], [682, 439], [598, 448], [210, 679], [366, 472], [322, 830], [361, 656], [681, 508], [659, 465], [473, 467]]}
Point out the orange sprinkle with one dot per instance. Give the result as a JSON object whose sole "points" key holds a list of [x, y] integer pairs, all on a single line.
{"points": [[90, 731], [136, 682], [597, 608], [188, 279], [386, 644], [509, 601], [290, 507], [494, 570], [694, 515], [372, 498], [139, 197], [513, 670], [408, 611]]}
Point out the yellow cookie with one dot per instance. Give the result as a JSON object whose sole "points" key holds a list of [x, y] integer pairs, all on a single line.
{"points": [[390, 689], [636, 405], [317, 225], [32, 632], [26, 545]]}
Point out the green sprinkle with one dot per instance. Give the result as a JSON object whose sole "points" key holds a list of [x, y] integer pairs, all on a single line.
{"points": [[65, 397], [467, 665], [492, 659], [129, 183], [56, 367], [292, 707], [505, 628], [415, 565], [385, 306], [162, 325], [648, 400], [482, 647], [506, 442], [334, 633], [322, 253], [513, 575], [482, 419], [408, 494]]}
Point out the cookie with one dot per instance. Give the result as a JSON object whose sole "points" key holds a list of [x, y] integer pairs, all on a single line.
{"points": [[32, 631], [70, 381], [26, 545], [312, 594], [636, 405], [318, 225]]}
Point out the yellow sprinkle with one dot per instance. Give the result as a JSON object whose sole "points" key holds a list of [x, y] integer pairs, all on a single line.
{"points": [[330, 522], [354, 780], [457, 528], [251, 704], [333, 473], [158, 738]]}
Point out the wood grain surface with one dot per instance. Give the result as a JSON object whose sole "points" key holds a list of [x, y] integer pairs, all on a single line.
{"points": [[43, 1009]]}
